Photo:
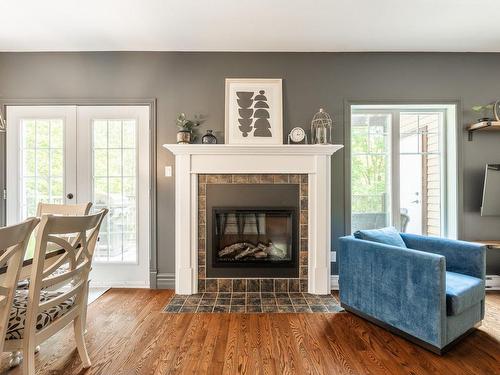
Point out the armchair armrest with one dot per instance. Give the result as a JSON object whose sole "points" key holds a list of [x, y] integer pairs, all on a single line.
{"points": [[461, 257], [401, 287]]}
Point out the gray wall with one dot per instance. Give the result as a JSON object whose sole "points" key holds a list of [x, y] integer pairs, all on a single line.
{"points": [[194, 83]]}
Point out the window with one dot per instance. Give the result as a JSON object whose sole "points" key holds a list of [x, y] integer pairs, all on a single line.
{"points": [[399, 168], [42, 166], [371, 170], [114, 186]]}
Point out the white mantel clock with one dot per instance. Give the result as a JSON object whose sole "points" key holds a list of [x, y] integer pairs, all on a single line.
{"points": [[297, 135]]}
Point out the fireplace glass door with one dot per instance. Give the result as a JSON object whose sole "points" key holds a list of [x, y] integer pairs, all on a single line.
{"points": [[243, 236]]}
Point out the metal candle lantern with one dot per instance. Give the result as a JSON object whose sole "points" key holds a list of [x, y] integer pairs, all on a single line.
{"points": [[321, 128]]}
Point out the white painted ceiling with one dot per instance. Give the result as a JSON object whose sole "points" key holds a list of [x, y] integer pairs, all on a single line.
{"points": [[257, 25]]}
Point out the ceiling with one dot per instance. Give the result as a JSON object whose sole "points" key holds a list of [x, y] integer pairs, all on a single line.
{"points": [[257, 25]]}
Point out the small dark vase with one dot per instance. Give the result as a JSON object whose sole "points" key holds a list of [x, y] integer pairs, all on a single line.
{"points": [[209, 138]]}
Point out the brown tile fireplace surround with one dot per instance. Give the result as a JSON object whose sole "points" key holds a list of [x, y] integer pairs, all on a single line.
{"points": [[241, 186], [271, 234]]}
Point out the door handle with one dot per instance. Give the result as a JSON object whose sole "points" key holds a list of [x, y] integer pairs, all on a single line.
{"points": [[415, 201], [69, 196]]}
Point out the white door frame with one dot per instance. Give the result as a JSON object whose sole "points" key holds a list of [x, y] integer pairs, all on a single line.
{"points": [[9, 108]]}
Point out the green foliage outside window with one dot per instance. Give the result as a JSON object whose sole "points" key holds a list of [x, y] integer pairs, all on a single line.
{"points": [[370, 164]]}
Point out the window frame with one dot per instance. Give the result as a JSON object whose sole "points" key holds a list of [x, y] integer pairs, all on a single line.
{"points": [[451, 137]]}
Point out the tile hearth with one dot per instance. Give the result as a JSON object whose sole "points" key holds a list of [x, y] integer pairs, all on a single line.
{"points": [[263, 302]]}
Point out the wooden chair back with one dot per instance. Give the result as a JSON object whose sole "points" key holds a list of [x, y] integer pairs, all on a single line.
{"points": [[80, 209], [76, 256], [13, 242], [63, 209]]}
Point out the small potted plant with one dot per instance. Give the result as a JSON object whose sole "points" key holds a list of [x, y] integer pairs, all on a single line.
{"points": [[185, 134], [486, 112]]}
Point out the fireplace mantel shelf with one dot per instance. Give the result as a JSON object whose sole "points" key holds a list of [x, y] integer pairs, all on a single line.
{"points": [[223, 149]]}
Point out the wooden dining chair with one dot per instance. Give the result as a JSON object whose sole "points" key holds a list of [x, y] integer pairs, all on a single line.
{"points": [[63, 209], [13, 242], [79, 209], [60, 210], [40, 312]]}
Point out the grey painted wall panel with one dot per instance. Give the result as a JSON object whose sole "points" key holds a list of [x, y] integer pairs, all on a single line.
{"points": [[194, 83]]}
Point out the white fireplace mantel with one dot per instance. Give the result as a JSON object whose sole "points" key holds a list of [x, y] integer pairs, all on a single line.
{"points": [[191, 160]]}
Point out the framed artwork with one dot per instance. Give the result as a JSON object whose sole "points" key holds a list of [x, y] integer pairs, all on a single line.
{"points": [[254, 112]]}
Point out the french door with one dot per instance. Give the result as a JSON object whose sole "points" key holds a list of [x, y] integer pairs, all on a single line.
{"points": [[398, 169], [74, 154]]}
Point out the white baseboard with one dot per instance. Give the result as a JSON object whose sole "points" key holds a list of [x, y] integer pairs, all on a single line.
{"points": [[119, 284], [334, 282], [492, 282]]}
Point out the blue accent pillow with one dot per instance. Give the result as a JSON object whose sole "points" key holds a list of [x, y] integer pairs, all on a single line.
{"points": [[387, 236]]}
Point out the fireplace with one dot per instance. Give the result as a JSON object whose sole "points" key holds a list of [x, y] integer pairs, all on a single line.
{"points": [[259, 236], [201, 169], [252, 230]]}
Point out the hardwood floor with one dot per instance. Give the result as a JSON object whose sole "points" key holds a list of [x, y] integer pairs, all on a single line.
{"points": [[128, 334]]}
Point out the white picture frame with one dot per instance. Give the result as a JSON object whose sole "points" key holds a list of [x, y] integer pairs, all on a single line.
{"points": [[254, 111]]}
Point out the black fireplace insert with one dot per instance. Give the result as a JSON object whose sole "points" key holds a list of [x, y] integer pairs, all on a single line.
{"points": [[252, 230], [259, 236]]}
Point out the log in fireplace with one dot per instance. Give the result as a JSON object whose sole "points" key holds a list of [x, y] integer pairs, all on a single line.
{"points": [[263, 236]]}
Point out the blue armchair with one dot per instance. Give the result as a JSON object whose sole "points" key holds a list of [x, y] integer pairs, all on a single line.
{"points": [[431, 291]]}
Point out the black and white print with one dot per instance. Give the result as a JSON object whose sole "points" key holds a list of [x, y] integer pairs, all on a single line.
{"points": [[254, 111]]}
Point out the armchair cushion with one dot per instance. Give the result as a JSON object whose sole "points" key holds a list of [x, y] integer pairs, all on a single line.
{"points": [[462, 292], [386, 236]]}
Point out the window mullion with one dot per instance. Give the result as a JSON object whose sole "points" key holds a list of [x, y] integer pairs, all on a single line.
{"points": [[395, 170]]}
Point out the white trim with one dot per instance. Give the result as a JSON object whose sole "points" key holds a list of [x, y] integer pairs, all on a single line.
{"points": [[224, 149], [334, 281], [395, 169], [492, 282], [118, 284], [229, 159], [449, 159], [452, 166]]}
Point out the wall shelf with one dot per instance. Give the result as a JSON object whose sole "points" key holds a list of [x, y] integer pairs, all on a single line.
{"points": [[483, 126]]}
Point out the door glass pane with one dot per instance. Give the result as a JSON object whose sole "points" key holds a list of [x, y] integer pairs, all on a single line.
{"points": [[420, 172], [114, 184], [42, 164], [370, 170]]}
